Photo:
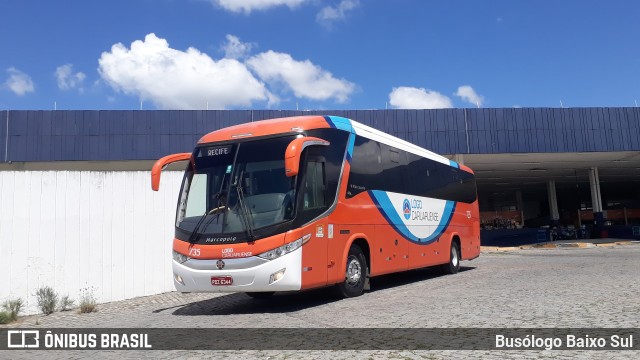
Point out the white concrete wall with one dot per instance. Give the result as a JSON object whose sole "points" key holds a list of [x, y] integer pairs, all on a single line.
{"points": [[74, 230]]}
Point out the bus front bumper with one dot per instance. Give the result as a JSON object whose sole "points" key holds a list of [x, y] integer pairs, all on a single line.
{"points": [[281, 274]]}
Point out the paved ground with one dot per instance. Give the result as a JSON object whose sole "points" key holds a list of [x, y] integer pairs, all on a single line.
{"points": [[563, 287]]}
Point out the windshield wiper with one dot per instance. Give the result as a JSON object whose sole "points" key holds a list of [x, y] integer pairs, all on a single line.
{"points": [[195, 235], [244, 210], [193, 238]]}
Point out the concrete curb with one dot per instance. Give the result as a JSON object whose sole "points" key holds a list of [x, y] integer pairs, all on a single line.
{"points": [[496, 248], [580, 245], [575, 245], [618, 243]]}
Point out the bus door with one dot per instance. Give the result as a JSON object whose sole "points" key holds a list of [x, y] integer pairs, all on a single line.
{"points": [[313, 201]]}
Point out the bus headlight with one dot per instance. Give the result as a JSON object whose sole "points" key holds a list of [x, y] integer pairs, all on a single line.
{"points": [[285, 249], [180, 258]]}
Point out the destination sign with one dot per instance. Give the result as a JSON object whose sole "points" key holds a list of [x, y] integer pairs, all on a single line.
{"points": [[217, 151]]}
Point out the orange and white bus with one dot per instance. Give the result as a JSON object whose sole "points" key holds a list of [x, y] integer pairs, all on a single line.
{"points": [[305, 202]]}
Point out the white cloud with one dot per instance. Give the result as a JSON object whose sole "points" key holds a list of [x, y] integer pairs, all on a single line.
{"points": [[466, 93], [67, 80], [247, 6], [304, 78], [236, 49], [405, 97], [333, 13], [174, 79], [19, 82]]}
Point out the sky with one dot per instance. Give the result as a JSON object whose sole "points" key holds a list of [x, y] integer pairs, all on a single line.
{"points": [[318, 54]]}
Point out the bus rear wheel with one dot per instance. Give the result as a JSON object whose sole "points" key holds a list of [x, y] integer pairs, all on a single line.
{"points": [[454, 260], [355, 275]]}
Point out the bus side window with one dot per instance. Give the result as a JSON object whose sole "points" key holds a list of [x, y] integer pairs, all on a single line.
{"points": [[394, 165], [314, 187], [366, 167], [312, 200]]}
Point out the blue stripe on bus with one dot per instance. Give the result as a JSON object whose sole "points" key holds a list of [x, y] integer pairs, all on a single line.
{"points": [[384, 205], [454, 164], [350, 144], [330, 122], [338, 122]]}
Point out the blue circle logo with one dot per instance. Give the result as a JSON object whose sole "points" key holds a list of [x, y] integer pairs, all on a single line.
{"points": [[406, 209]]}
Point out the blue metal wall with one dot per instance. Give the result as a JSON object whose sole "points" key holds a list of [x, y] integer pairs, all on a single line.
{"points": [[147, 135], [3, 134]]}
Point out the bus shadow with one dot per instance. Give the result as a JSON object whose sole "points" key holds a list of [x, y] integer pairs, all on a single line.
{"points": [[239, 303], [399, 279]]}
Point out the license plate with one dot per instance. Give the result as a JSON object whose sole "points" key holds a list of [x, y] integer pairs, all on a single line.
{"points": [[221, 280]]}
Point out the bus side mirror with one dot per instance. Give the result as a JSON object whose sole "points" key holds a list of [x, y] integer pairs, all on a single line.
{"points": [[294, 150], [162, 164]]}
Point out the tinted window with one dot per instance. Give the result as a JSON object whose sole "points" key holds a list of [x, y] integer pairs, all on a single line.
{"points": [[391, 169], [366, 167], [333, 155], [314, 188], [394, 169]]}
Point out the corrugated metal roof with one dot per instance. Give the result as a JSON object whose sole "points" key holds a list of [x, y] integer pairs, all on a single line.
{"points": [[148, 135]]}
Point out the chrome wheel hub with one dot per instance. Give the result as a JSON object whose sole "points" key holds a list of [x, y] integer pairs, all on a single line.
{"points": [[354, 272]]}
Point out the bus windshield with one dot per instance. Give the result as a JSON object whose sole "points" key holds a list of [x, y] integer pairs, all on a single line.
{"points": [[235, 188]]}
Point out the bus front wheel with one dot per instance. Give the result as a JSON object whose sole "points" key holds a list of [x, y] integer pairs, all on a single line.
{"points": [[454, 259], [355, 275]]}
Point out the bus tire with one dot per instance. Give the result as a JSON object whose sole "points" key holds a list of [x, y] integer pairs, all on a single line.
{"points": [[260, 295], [355, 275], [453, 266]]}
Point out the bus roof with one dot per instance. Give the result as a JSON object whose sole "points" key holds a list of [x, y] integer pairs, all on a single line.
{"points": [[302, 123]]}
